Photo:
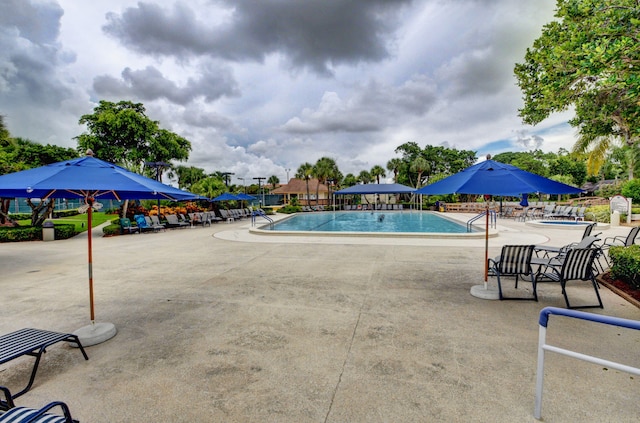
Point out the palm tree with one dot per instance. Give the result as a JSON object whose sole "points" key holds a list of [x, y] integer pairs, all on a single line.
{"points": [[324, 169], [305, 172], [420, 166], [394, 165], [273, 180], [377, 172], [364, 177]]}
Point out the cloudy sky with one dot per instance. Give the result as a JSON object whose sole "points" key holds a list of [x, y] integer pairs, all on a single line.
{"points": [[261, 86]]}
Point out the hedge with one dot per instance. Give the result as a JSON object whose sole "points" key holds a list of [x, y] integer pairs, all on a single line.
{"points": [[31, 233], [626, 264]]}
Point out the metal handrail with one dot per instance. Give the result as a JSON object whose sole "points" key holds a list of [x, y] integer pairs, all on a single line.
{"points": [[493, 219], [543, 346], [261, 214]]}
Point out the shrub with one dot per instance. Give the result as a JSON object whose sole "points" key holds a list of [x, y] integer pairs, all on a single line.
{"points": [[598, 214], [626, 264], [20, 233], [33, 233], [288, 209], [631, 189], [64, 230], [113, 229]]}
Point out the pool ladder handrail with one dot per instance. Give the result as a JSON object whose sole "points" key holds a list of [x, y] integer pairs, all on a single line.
{"points": [[543, 346], [260, 213], [493, 219]]}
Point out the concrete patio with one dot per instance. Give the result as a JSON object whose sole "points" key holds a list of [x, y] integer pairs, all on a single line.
{"points": [[219, 325]]}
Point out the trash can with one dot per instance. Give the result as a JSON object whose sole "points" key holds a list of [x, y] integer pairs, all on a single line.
{"points": [[615, 218], [48, 231]]}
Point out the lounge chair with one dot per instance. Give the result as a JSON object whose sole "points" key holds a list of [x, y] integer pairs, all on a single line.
{"points": [[34, 415], [126, 227], [577, 265], [173, 222], [154, 223], [548, 250], [142, 223], [515, 260]]}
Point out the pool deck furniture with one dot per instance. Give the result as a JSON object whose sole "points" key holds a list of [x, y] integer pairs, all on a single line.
{"points": [[31, 342], [33, 415]]}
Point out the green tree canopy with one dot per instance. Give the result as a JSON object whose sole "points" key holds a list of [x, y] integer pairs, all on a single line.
{"points": [[122, 133], [588, 59]]}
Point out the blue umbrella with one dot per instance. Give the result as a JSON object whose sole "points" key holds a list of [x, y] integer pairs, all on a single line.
{"points": [[90, 179], [495, 178], [227, 196], [243, 196]]}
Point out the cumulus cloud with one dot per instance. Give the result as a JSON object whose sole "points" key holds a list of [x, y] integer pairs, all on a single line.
{"points": [[370, 108], [314, 35], [151, 84]]}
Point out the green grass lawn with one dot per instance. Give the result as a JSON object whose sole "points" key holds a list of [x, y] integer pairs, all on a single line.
{"points": [[80, 220]]}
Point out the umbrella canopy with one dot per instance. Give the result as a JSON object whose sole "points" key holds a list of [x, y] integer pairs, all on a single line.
{"points": [[376, 189], [494, 178], [91, 179], [246, 197], [87, 177], [227, 196]]}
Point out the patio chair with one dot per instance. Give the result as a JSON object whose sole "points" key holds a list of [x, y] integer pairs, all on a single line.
{"points": [[154, 223], [33, 415], [173, 222], [577, 265], [515, 260], [142, 223], [548, 249], [125, 226], [619, 241]]}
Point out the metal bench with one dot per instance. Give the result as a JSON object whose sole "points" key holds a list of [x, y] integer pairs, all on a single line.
{"points": [[31, 342]]}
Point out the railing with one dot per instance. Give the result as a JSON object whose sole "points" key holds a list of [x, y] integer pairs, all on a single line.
{"points": [[260, 213], [543, 346], [492, 219]]}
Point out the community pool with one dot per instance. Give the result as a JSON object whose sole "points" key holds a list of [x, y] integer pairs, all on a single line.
{"points": [[374, 223]]}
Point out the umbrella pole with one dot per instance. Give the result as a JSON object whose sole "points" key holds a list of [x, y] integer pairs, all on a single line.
{"points": [[90, 258], [94, 333], [486, 248]]}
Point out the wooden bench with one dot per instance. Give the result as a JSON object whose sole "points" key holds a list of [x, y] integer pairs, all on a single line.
{"points": [[31, 342]]}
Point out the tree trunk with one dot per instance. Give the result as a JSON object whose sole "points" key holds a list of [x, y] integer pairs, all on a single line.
{"points": [[41, 211]]}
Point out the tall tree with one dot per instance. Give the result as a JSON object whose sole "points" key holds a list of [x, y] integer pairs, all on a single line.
{"points": [[324, 169], [305, 172], [394, 165], [273, 180], [364, 177], [122, 133], [377, 172], [188, 175], [587, 58]]}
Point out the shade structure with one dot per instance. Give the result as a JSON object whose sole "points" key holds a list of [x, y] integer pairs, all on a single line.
{"points": [[494, 178], [245, 197], [227, 196], [376, 189], [91, 179]]}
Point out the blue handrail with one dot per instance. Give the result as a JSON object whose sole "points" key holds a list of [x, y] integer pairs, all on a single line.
{"points": [[543, 346]]}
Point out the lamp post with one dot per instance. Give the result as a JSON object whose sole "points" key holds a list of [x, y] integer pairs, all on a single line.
{"points": [[260, 178], [226, 176]]}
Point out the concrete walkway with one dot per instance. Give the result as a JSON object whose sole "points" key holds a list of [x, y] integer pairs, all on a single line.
{"points": [[219, 325]]}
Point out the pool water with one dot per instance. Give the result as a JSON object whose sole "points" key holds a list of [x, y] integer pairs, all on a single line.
{"points": [[378, 221]]}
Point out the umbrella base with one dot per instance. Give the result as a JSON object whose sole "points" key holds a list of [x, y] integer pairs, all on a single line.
{"points": [[95, 333], [485, 293]]}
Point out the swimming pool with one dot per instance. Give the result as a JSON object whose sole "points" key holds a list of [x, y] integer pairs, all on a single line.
{"points": [[420, 223]]}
